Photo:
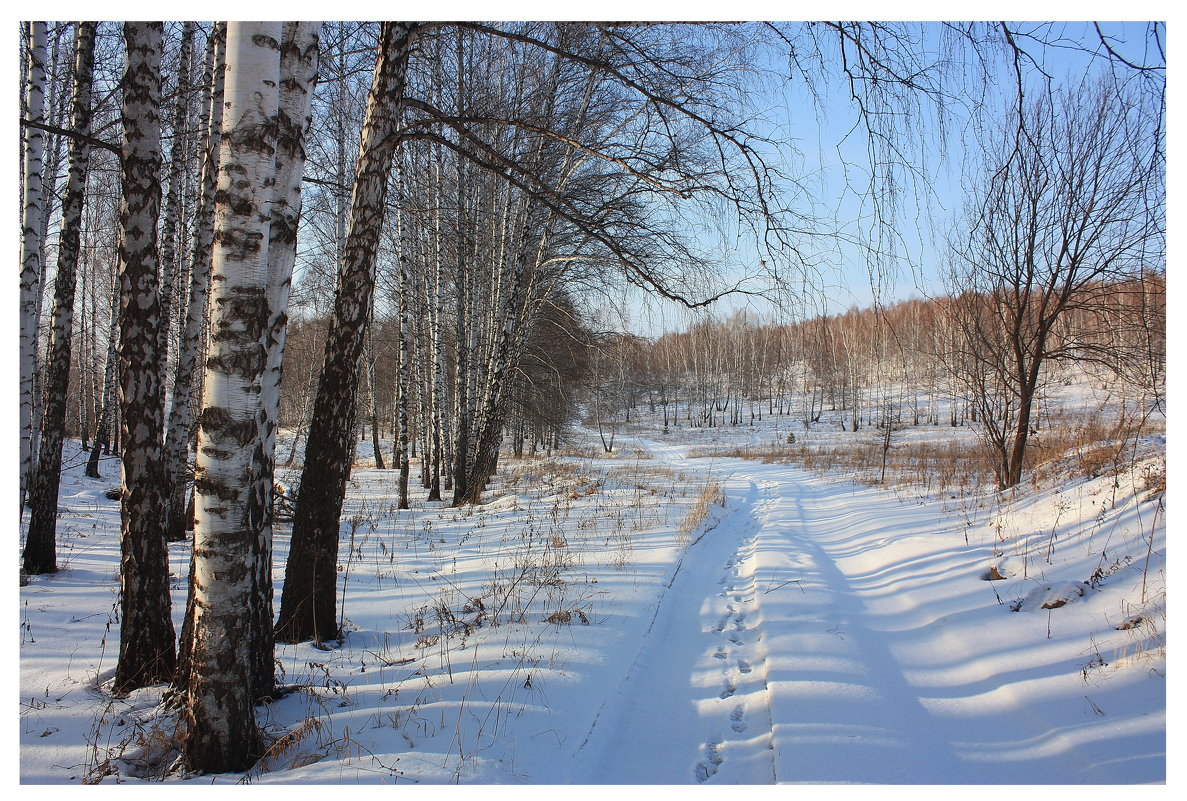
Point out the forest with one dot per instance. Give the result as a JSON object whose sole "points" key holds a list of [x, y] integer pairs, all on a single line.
{"points": [[328, 361]]}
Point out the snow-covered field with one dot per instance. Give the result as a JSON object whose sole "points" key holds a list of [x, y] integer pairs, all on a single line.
{"points": [[606, 620]]}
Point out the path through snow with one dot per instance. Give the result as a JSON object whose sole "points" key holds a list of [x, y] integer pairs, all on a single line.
{"points": [[824, 633]]}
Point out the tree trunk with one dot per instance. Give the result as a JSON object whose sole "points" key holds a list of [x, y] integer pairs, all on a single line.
{"points": [[32, 213], [103, 432], [146, 625], [181, 415], [40, 554], [403, 381], [180, 513], [230, 512], [298, 70], [56, 115], [1028, 382], [308, 601], [172, 222], [373, 408]]}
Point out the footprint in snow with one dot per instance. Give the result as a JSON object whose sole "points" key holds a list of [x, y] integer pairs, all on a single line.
{"points": [[728, 688], [738, 724], [720, 653], [708, 766], [744, 666], [735, 638]]}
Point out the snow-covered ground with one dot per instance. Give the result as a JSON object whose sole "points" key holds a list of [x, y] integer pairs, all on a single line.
{"points": [[603, 621]]}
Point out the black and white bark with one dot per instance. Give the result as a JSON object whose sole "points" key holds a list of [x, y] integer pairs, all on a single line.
{"points": [[32, 213], [403, 378], [40, 555], [298, 70], [181, 417], [146, 626], [57, 112], [229, 509], [172, 224], [308, 605], [103, 430]]}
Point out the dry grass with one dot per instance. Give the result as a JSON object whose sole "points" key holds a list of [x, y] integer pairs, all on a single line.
{"points": [[1069, 445], [710, 495], [289, 751]]}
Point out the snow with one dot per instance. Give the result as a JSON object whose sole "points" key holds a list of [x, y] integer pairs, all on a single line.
{"points": [[577, 628]]}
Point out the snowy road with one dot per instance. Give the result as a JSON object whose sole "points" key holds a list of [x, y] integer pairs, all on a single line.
{"points": [[815, 636]]}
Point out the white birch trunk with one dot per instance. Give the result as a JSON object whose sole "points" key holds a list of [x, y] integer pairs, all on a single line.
{"points": [[146, 627], [103, 432], [173, 200], [298, 71], [229, 513], [57, 113], [40, 555], [32, 220], [181, 415]]}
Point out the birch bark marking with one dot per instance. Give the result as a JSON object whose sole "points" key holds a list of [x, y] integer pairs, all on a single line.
{"points": [[40, 554], [181, 417], [56, 113], [403, 379], [146, 625], [298, 71], [31, 220], [181, 412], [307, 609], [223, 735], [173, 211]]}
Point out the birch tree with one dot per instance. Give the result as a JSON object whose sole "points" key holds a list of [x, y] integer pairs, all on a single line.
{"points": [[307, 601], [32, 213], [229, 508], [172, 224], [57, 113], [103, 431], [146, 626], [40, 555], [298, 69], [181, 416]]}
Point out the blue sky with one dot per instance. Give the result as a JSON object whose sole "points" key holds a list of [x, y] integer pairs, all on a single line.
{"points": [[845, 278]]}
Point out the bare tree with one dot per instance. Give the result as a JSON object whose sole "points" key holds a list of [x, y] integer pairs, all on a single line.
{"points": [[1070, 206], [172, 225], [307, 600], [298, 68], [179, 430]]}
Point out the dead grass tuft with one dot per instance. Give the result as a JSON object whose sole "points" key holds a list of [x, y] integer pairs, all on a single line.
{"points": [[710, 495]]}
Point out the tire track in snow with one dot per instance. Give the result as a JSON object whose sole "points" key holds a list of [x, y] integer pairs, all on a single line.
{"points": [[779, 654], [844, 710]]}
